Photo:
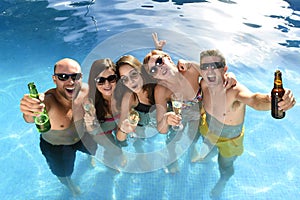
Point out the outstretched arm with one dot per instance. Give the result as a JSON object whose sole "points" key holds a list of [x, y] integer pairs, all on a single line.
{"points": [[260, 101], [255, 100]]}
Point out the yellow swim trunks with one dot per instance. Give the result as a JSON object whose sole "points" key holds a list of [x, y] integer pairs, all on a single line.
{"points": [[228, 147]]}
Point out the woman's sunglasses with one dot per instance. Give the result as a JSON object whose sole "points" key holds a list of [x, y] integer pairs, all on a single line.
{"points": [[101, 80], [158, 63], [64, 77], [133, 74], [213, 65]]}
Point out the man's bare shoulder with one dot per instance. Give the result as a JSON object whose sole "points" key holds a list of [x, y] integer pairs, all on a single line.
{"points": [[238, 88], [238, 93], [50, 98], [84, 87], [50, 95], [82, 95]]}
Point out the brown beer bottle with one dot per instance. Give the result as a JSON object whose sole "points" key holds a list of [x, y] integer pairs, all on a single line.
{"points": [[276, 95]]}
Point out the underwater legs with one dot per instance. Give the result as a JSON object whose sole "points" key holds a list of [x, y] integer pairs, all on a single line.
{"points": [[67, 181], [226, 171]]}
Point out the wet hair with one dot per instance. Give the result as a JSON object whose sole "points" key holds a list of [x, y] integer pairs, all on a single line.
{"points": [[101, 105], [148, 82], [212, 52]]}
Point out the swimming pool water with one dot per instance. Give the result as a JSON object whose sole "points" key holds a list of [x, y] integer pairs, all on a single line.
{"points": [[256, 37]]}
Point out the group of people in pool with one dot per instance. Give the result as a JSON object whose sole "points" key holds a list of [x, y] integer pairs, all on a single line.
{"points": [[215, 106]]}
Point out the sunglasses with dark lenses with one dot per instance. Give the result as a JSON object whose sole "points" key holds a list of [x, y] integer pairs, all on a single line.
{"points": [[153, 70], [101, 80], [64, 77], [213, 65], [133, 74]]}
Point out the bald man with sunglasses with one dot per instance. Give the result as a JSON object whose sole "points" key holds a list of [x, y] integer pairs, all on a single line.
{"points": [[67, 134]]}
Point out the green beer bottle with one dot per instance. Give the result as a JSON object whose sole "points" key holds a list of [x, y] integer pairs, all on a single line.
{"points": [[42, 121]]}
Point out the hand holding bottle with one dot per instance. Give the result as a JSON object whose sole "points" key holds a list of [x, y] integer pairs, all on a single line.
{"points": [[277, 94], [32, 106], [281, 99], [288, 100]]}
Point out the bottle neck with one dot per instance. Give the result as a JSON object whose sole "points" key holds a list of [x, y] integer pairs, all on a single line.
{"points": [[278, 82], [34, 93]]}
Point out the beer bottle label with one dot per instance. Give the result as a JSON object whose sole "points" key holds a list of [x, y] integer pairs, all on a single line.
{"points": [[275, 110]]}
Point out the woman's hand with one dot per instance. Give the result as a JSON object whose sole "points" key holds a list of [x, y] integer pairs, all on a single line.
{"points": [[126, 127], [159, 44], [172, 119]]}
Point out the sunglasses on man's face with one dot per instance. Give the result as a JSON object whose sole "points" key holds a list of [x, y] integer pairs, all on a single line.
{"points": [[213, 65], [133, 74], [158, 63], [64, 77], [101, 80]]}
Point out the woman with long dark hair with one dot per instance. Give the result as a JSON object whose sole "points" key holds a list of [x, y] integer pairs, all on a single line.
{"points": [[102, 82]]}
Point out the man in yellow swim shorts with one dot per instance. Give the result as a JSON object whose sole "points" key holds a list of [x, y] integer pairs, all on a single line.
{"points": [[223, 119]]}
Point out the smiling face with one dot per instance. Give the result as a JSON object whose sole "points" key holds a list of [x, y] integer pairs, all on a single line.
{"points": [[107, 87], [212, 71], [67, 88], [131, 78], [160, 66]]}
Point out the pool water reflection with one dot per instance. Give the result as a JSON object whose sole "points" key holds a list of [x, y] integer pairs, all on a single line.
{"points": [[256, 38]]}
